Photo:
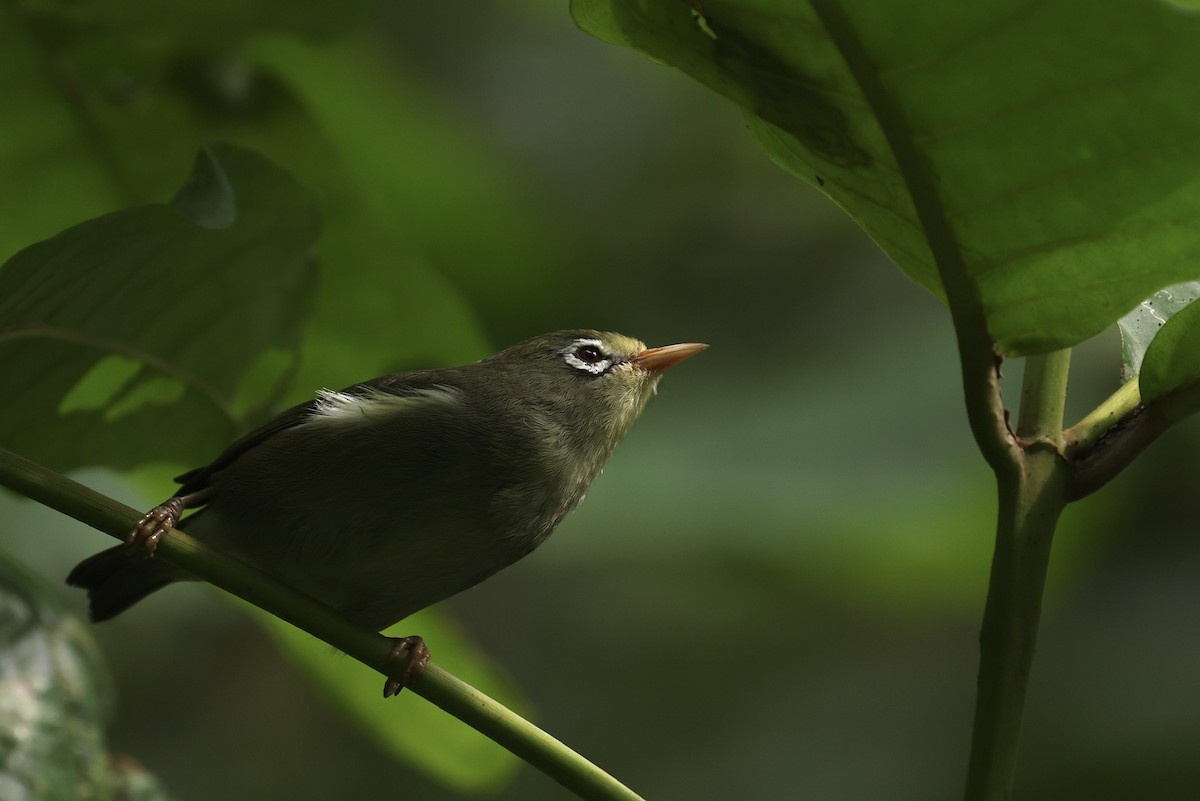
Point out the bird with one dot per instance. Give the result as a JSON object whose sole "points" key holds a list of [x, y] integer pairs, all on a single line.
{"points": [[390, 495]]}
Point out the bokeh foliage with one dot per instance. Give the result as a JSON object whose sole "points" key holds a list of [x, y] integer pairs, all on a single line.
{"points": [[55, 700], [823, 502], [154, 334]]}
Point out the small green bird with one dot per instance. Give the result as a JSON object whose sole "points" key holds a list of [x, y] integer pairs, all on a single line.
{"points": [[393, 494]]}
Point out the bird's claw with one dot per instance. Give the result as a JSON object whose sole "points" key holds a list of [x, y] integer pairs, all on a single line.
{"points": [[155, 525], [409, 652]]}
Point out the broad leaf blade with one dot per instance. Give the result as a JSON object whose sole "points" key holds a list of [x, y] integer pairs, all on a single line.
{"points": [[108, 325], [1059, 142]]}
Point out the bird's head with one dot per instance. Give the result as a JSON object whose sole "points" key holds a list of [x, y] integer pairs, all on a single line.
{"points": [[595, 383]]}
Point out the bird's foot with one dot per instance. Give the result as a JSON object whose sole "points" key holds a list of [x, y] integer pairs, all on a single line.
{"points": [[408, 658], [161, 520], [155, 525]]}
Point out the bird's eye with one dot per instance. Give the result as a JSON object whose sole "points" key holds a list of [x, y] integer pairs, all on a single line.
{"points": [[589, 354]]}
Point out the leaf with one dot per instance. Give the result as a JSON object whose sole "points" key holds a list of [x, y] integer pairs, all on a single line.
{"points": [[55, 700], [1140, 326], [120, 327], [1170, 373], [1045, 152], [409, 727]]}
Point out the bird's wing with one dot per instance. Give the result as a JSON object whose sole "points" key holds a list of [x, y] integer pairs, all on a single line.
{"points": [[201, 477], [330, 404]]}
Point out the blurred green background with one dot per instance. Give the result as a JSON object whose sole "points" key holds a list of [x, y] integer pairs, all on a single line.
{"points": [[774, 589]]}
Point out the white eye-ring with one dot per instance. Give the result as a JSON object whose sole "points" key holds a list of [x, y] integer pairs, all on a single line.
{"points": [[587, 355]]}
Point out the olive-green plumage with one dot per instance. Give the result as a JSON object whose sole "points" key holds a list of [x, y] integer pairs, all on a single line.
{"points": [[396, 493]]}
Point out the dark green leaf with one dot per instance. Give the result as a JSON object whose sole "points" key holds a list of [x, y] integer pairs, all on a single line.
{"points": [[1055, 147], [109, 325]]}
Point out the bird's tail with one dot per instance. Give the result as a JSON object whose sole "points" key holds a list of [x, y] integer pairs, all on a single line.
{"points": [[116, 581]]}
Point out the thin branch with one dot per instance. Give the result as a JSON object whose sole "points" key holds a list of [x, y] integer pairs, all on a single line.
{"points": [[464, 702], [1094, 467], [1117, 406]]}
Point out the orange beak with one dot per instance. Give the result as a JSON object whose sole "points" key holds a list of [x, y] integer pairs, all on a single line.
{"points": [[659, 359]]}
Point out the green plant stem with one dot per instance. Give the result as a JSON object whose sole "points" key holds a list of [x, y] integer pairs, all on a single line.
{"points": [[1114, 408], [1031, 478], [1043, 398], [1030, 502], [464, 702], [1094, 466], [1115, 433]]}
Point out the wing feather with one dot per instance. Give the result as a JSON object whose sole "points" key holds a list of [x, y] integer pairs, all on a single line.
{"points": [[390, 394]]}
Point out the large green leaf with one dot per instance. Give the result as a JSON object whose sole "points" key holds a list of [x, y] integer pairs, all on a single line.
{"points": [[1047, 148], [110, 324]]}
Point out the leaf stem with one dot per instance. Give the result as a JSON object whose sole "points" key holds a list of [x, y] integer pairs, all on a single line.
{"points": [[1103, 417], [1043, 398], [1030, 502], [1031, 477], [464, 702], [1102, 461]]}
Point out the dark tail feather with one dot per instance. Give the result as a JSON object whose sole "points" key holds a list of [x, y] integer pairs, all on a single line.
{"points": [[115, 580]]}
